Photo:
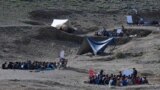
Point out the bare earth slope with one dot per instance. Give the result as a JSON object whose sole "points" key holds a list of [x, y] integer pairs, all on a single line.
{"points": [[19, 28]]}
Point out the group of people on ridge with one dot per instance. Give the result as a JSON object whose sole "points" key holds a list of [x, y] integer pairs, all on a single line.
{"points": [[116, 33], [116, 80]]}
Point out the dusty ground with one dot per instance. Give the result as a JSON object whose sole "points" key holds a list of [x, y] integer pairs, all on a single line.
{"points": [[18, 42]]}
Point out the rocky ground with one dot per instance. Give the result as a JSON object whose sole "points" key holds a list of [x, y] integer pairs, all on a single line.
{"points": [[21, 21]]}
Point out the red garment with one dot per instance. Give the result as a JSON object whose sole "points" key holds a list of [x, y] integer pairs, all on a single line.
{"points": [[91, 73], [138, 81]]}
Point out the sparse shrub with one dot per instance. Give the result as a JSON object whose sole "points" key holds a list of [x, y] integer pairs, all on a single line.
{"points": [[114, 15], [136, 54], [120, 55]]}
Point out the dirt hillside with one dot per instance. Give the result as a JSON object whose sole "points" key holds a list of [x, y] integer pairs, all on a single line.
{"points": [[25, 34]]}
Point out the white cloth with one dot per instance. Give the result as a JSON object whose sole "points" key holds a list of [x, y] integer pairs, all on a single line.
{"points": [[119, 30], [62, 54]]}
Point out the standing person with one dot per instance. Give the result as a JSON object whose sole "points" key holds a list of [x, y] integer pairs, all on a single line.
{"points": [[61, 54], [120, 73], [62, 61], [122, 27], [104, 31], [134, 72], [101, 75]]}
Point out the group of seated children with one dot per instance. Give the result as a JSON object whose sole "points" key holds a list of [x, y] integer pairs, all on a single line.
{"points": [[28, 65], [116, 80], [116, 33]]}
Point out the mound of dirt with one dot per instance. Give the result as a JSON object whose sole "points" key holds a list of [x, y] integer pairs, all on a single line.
{"points": [[36, 42], [48, 14], [51, 33], [137, 32], [32, 22], [151, 15], [19, 43]]}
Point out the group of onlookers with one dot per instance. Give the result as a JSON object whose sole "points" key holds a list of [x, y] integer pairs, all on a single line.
{"points": [[143, 22], [116, 33], [116, 80], [29, 65]]}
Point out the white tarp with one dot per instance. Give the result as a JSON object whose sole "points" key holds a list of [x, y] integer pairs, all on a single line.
{"points": [[127, 72], [59, 22], [129, 19]]}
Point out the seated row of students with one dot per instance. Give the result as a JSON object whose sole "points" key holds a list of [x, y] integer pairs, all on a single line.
{"points": [[28, 65], [116, 80]]}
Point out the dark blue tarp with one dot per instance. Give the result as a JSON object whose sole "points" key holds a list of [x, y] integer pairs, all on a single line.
{"points": [[95, 47]]}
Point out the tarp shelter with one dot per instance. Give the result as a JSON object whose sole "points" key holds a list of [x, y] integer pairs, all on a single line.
{"points": [[129, 19], [95, 47], [127, 72], [58, 23]]}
